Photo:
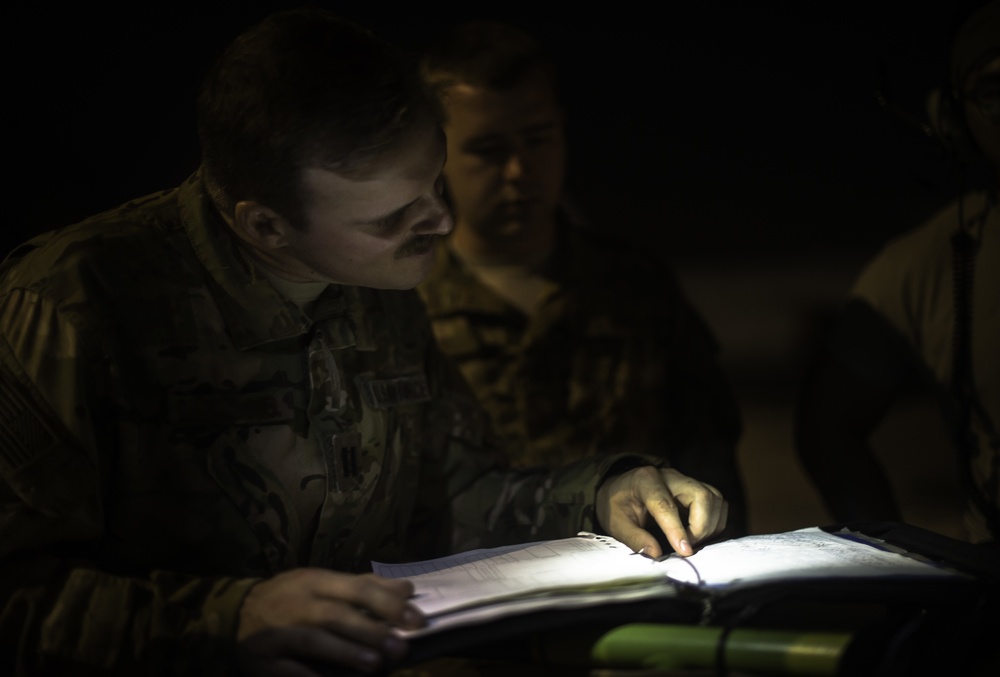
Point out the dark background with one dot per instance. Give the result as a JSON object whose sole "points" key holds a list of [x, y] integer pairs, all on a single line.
{"points": [[717, 128], [742, 141]]}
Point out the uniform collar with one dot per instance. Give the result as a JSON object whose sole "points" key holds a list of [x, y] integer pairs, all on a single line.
{"points": [[254, 312]]}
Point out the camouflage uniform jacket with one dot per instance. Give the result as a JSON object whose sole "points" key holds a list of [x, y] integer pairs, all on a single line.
{"points": [[154, 398], [616, 358]]}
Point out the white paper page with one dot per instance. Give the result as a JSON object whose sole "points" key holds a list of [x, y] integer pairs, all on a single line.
{"points": [[805, 553], [481, 576], [482, 614]]}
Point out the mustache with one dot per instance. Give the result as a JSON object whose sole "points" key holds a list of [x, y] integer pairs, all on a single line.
{"points": [[418, 245]]}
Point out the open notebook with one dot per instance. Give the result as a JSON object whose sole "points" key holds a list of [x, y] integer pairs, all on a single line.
{"points": [[585, 570]]}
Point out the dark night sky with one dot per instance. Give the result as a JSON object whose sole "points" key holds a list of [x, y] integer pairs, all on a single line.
{"points": [[717, 129], [741, 140]]}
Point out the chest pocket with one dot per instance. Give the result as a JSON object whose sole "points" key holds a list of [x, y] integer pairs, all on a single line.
{"points": [[374, 470], [195, 479], [393, 409], [385, 393]]}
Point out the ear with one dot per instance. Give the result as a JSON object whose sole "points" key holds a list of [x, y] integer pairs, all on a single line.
{"points": [[260, 226]]}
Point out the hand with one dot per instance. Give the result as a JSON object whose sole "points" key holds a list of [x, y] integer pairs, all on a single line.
{"points": [[319, 616], [626, 503]]}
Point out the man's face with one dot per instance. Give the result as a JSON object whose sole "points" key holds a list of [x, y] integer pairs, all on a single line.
{"points": [[985, 129], [506, 156], [376, 229]]}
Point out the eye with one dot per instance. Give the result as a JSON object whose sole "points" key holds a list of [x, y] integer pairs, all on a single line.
{"points": [[492, 152], [538, 138], [987, 97], [390, 221]]}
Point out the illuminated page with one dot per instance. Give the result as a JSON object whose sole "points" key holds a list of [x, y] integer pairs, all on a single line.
{"points": [[542, 602], [805, 553], [564, 566]]}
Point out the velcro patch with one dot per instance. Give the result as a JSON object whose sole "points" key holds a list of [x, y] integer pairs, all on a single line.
{"points": [[38, 460], [23, 432], [393, 392]]}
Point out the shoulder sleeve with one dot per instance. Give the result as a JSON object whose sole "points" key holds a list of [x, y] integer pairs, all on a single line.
{"points": [[61, 612], [42, 458], [899, 307], [909, 272]]}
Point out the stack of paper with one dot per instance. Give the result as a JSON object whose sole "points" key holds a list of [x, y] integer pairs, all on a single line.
{"points": [[586, 570]]}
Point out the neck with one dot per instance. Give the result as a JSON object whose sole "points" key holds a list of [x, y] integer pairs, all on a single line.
{"points": [[277, 266], [272, 261]]}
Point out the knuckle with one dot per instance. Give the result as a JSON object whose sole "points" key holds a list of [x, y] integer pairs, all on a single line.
{"points": [[665, 505], [708, 489], [366, 585], [672, 473], [332, 614], [647, 472], [303, 576]]}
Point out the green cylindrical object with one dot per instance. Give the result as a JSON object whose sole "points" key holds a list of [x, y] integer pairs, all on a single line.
{"points": [[685, 646]]}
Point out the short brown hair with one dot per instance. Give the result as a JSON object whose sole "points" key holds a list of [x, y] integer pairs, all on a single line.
{"points": [[483, 53], [302, 88]]}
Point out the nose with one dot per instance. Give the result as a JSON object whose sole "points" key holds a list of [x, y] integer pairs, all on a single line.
{"points": [[513, 168], [436, 219]]}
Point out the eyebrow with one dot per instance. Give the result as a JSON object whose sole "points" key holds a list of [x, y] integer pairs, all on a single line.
{"points": [[530, 129], [390, 215], [541, 127]]}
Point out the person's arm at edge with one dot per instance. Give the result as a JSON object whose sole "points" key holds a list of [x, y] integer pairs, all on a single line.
{"points": [[59, 607], [838, 409], [837, 413]]}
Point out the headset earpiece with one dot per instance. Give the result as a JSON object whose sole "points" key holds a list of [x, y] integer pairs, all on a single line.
{"points": [[947, 122]]}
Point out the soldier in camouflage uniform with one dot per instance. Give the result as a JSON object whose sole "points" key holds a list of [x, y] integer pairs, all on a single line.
{"points": [[575, 341], [219, 403]]}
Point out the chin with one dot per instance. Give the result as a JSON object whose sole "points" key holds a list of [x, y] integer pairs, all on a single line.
{"points": [[401, 282]]}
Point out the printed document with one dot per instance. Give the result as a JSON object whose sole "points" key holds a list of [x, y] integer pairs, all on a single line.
{"points": [[589, 569]]}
